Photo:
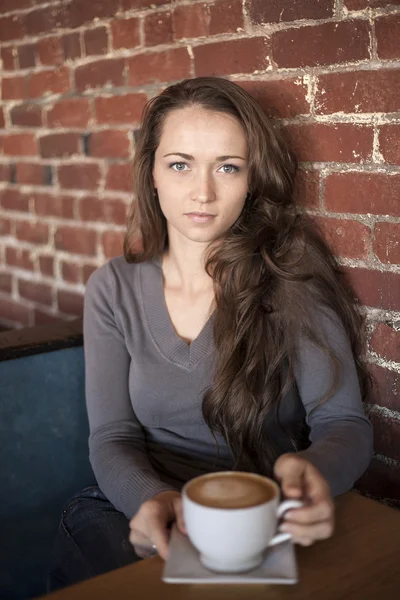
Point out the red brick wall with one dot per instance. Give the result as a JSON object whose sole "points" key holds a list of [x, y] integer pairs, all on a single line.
{"points": [[75, 77]]}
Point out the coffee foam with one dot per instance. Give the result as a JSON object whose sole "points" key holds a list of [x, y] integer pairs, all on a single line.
{"points": [[234, 490]]}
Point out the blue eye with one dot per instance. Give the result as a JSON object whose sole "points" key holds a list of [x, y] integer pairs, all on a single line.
{"points": [[176, 163], [234, 167]]}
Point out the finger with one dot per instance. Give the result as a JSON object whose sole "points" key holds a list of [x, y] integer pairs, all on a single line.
{"points": [[314, 513], [290, 472], [179, 515], [144, 551], [138, 538], [317, 487], [316, 531], [159, 535]]}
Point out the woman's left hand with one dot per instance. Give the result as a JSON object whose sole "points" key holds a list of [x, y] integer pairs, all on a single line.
{"points": [[300, 479]]}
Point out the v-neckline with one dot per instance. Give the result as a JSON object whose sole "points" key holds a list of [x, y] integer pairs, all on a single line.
{"points": [[170, 344]]}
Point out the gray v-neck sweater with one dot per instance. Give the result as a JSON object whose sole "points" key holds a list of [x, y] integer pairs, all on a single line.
{"points": [[144, 390]]}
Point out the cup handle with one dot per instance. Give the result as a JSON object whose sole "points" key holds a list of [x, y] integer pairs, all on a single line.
{"points": [[282, 508]]}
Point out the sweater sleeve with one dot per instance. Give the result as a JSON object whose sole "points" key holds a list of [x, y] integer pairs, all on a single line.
{"points": [[340, 433], [117, 445]]}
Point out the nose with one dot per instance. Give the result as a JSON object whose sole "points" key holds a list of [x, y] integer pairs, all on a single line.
{"points": [[204, 190]]}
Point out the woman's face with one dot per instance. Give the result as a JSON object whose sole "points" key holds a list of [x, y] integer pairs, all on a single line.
{"points": [[201, 173]]}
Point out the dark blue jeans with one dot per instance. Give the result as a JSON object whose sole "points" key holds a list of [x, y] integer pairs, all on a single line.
{"points": [[92, 538]]}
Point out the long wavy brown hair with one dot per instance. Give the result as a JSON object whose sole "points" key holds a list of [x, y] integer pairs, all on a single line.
{"points": [[270, 270]]}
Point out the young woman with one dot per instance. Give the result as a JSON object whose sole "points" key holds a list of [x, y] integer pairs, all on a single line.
{"points": [[224, 338]]}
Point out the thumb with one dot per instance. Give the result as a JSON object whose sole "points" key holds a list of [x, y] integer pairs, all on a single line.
{"points": [[289, 470], [179, 515]]}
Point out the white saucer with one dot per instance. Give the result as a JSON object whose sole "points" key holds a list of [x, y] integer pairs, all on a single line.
{"points": [[183, 565]]}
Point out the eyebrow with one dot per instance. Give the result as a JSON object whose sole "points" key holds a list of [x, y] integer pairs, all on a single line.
{"points": [[190, 157]]}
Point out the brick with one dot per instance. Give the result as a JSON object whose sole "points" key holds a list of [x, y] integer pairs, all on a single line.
{"points": [[386, 435], [349, 239], [109, 143], [70, 272], [5, 226], [226, 16], [125, 33], [27, 115], [56, 81], [34, 233], [76, 240], [322, 142], [157, 29], [79, 176], [324, 44], [360, 4], [386, 390], [389, 143], [50, 51], [39, 21], [387, 31], [27, 56], [101, 73], [191, 21], [46, 205], [20, 258], [135, 4], [35, 291], [2, 122], [11, 28], [359, 92], [158, 66], [279, 98], [14, 88], [6, 282], [227, 58], [106, 210], [30, 173], [60, 144], [5, 173], [11, 199], [70, 113], [82, 12], [386, 244], [70, 302], [8, 57], [87, 270], [20, 144], [381, 481], [270, 11], [14, 312], [385, 341], [120, 109], [112, 242], [363, 193], [95, 41], [378, 289], [306, 188], [120, 177], [46, 265], [71, 45]]}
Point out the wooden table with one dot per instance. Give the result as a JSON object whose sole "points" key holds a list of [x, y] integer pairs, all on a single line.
{"points": [[360, 561]]}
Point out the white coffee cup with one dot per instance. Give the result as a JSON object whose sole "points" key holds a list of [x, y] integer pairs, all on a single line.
{"points": [[233, 540]]}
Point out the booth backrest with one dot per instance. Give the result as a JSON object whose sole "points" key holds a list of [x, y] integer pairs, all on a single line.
{"points": [[44, 452]]}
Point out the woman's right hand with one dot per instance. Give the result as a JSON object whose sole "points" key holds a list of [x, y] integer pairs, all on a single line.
{"points": [[149, 526]]}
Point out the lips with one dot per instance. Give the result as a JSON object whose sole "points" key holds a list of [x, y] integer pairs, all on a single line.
{"points": [[200, 214], [200, 217]]}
